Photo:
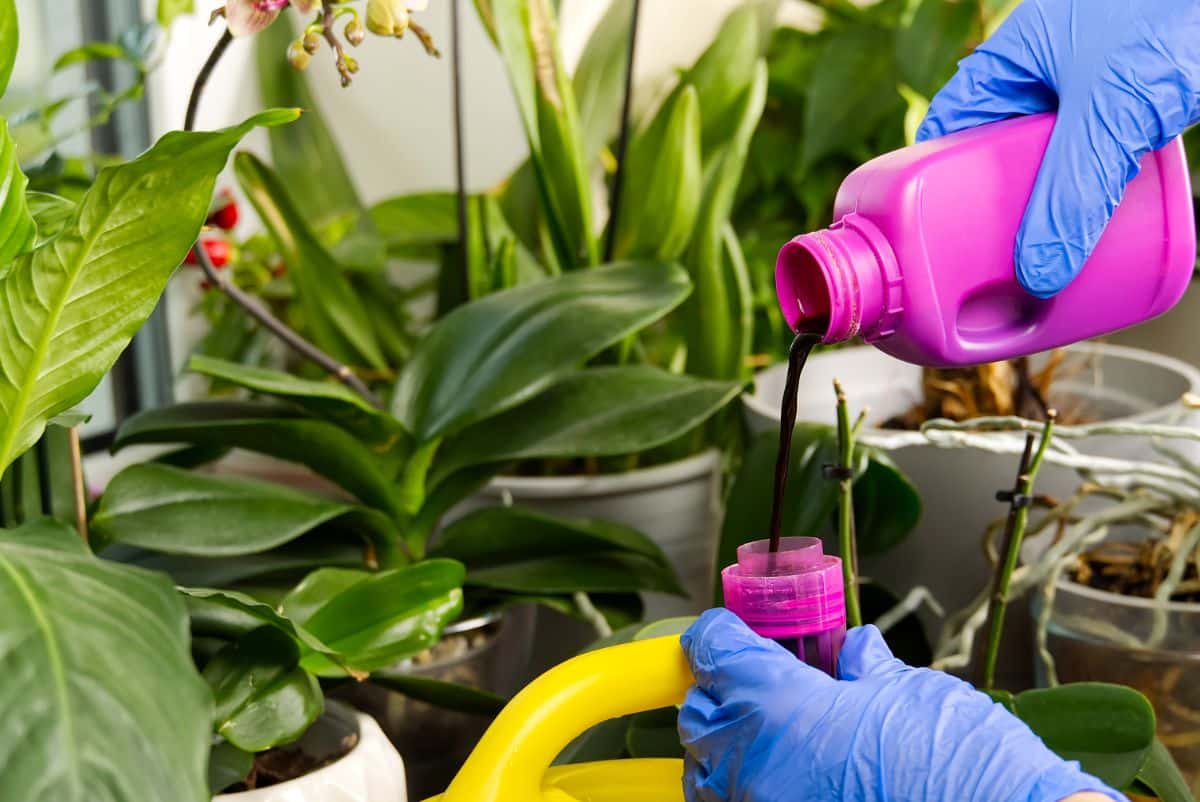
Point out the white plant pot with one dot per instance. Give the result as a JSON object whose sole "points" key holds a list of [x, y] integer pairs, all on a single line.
{"points": [[958, 486], [370, 772]]}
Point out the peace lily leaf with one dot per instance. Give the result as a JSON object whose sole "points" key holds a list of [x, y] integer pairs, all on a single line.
{"points": [[599, 79], [69, 308], [168, 10], [332, 401], [1160, 774], [335, 315], [522, 551], [490, 355], [9, 35], [376, 620], [17, 229], [181, 512], [595, 412], [1109, 729], [89, 647], [263, 697], [445, 695], [415, 226], [51, 214], [275, 431]]}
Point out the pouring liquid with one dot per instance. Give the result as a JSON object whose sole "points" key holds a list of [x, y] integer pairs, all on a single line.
{"points": [[806, 339]]}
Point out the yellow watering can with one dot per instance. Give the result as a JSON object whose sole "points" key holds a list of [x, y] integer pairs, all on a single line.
{"points": [[512, 761]]}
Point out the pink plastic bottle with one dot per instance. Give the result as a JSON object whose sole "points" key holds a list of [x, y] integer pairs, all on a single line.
{"points": [[920, 260], [794, 596]]}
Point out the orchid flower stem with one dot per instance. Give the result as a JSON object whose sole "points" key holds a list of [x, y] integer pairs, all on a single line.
{"points": [[847, 541]]}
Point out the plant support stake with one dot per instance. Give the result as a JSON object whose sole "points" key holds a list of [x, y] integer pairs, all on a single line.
{"points": [[1019, 499], [623, 140], [847, 541]]}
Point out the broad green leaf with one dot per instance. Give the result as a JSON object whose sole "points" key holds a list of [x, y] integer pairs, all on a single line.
{"points": [[1160, 774], [289, 562], [415, 226], [230, 615], [521, 551], [263, 697], [227, 765], [51, 214], [887, 507], [599, 79], [273, 430], [168, 10], [491, 355], [183, 512], [850, 93], [718, 339], [17, 229], [444, 695], [9, 36], [596, 412], [1109, 729], [664, 185], [88, 648], [930, 44], [332, 311], [376, 620], [328, 399], [68, 309], [305, 153]]}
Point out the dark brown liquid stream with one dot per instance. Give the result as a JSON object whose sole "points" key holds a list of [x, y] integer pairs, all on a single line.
{"points": [[806, 339]]}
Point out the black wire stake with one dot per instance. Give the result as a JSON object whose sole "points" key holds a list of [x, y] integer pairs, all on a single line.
{"points": [[614, 206], [460, 170]]}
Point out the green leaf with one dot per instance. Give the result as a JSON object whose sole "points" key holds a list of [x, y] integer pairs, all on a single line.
{"points": [[654, 734], [230, 615], [521, 551], [17, 229], [490, 355], [263, 698], [852, 91], [333, 312], [376, 620], [68, 309], [182, 512], [87, 647], [1161, 775], [887, 506], [445, 695], [1109, 729], [168, 10], [414, 226], [9, 36], [327, 399], [665, 183], [51, 214], [275, 431], [285, 562], [1001, 697], [227, 765], [596, 412], [599, 79], [931, 43], [92, 51]]}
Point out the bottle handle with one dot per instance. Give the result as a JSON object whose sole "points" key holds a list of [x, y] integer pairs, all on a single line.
{"points": [[511, 760]]}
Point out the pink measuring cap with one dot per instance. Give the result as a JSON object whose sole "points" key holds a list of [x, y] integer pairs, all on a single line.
{"points": [[794, 596]]}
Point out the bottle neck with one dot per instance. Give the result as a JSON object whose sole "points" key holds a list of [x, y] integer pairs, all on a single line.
{"points": [[842, 281]]}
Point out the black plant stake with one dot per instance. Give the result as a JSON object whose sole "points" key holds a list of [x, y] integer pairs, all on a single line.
{"points": [[614, 205]]}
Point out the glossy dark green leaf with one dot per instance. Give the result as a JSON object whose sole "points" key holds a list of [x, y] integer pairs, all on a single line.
{"points": [[491, 355], [654, 734], [263, 698], [288, 562], [595, 412], [522, 551], [17, 229], [376, 620], [446, 695], [887, 507], [1109, 729], [599, 78], [175, 511], [275, 431], [931, 43], [1160, 774], [229, 614], [414, 226], [227, 765], [9, 36], [332, 311], [88, 647], [328, 399], [851, 92], [69, 308]]}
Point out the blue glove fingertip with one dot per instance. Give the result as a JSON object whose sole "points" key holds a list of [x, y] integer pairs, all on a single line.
{"points": [[866, 654], [1067, 779]]}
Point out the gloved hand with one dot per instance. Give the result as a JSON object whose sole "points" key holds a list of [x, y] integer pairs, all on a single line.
{"points": [[1125, 78], [761, 726]]}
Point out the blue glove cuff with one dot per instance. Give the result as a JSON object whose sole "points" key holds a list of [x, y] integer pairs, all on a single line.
{"points": [[1065, 779]]}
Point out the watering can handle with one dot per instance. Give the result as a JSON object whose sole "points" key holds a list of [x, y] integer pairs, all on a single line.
{"points": [[512, 758]]}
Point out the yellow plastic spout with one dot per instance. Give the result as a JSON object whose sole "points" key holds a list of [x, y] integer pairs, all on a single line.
{"points": [[512, 761]]}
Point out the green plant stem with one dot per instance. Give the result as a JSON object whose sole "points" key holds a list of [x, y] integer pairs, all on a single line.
{"points": [[1018, 518], [846, 536]]}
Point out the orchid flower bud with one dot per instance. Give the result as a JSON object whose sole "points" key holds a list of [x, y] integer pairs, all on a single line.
{"points": [[297, 56], [387, 17], [356, 32], [248, 17]]}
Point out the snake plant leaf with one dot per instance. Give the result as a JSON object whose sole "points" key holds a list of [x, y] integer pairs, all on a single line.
{"points": [[276, 431], [326, 399], [17, 229], [593, 413], [69, 308], [9, 41], [90, 646], [375, 620], [174, 511], [334, 314], [491, 355], [1109, 729], [263, 697]]}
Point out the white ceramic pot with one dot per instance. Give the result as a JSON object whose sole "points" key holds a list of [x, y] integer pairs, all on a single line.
{"points": [[958, 486], [372, 771]]}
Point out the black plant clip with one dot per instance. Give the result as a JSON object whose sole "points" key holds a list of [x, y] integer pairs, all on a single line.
{"points": [[836, 473], [1014, 499]]}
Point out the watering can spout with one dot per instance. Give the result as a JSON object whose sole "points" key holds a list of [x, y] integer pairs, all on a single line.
{"points": [[512, 761]]}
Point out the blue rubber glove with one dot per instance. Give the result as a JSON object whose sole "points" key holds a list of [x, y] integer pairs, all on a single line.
{"points": [[760, 726], [1125, 78]]}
